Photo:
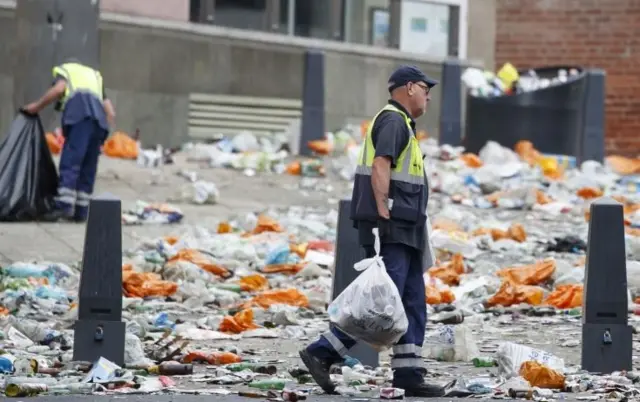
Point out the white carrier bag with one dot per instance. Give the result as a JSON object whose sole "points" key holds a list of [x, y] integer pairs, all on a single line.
{"points": [[370, 309]]}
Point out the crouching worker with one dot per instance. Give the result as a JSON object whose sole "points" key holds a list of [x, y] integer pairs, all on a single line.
{"points": [[86, 114]]}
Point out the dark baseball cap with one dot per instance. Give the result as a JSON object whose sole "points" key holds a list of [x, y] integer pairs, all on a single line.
{"points": [[406, 74]]}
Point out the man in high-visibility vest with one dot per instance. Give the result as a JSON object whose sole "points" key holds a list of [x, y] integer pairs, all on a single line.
{"points": [[86, 115], [390, 192]]}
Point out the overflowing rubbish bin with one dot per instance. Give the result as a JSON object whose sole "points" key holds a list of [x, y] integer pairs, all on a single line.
{"points": [[544, 106]]}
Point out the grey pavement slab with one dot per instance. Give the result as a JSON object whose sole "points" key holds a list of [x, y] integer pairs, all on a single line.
{"points": [[240, 194]]}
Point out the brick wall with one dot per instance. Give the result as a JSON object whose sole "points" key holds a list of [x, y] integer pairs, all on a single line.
{"points": [[591, 33]]}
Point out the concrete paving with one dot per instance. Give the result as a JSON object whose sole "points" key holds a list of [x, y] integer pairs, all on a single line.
{"points": [[240, 194]]}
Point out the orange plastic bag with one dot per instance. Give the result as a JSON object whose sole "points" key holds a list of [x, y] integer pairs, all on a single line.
{"points": [[471, 160], [253, 283], [542, 198], [240, 322], [171, 240], [291, 297], [632, 231], [320, 245], [54, 142], [291, 269], [527, 152], [589, 193], [515, 232], [511, 293], [120, 145], [197, 258], [534, 274], [622, 165], [322, 147], [565, 296], [294, 168], [541, 376], [439, 296], [450, 272], [446, 225], [299, 249], [145, 284], [224, 227], [266, 224]]}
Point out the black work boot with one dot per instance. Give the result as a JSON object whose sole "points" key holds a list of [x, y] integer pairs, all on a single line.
{"points": [[424, 390], [319, 370], [56, 215]]}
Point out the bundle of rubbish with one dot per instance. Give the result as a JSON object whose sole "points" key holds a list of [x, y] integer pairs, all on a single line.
{"points": [[509, 81]]}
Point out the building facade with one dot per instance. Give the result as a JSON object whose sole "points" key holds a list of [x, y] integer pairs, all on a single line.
{"points": [[434, 27], [527, 33]]}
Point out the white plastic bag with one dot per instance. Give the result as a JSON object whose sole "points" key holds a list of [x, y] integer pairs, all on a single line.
{"points": [[370, 309], [451, 343], [510, 357]]}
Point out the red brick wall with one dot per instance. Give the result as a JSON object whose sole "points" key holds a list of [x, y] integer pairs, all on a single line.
{"points": [[591, 33]]}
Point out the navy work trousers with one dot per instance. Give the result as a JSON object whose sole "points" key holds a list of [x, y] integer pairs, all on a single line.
{"points": [[78, 166], [404, 265]]}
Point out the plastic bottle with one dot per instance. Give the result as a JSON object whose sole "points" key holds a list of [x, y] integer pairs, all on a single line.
{"points": [[234, 287], [215, 358], [312, 168], [168, 368], [6, 363], [275, 383], [23, 366], [449, 317], [484, 362], [162, 321], [255, 367]]}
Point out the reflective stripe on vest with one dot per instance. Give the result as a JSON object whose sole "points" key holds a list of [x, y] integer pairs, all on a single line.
{"points": [[79, 79], [411, 155]]}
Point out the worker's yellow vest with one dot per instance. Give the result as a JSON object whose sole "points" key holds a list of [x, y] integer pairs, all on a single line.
{"points": [[79, 78], [409, 166], [407, 200]]}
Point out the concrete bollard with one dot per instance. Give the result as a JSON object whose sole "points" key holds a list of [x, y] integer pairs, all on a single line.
{"points": [[606, 337], [99, 330], [313, 114], [451, 104], [348, 252], [592, 133]]}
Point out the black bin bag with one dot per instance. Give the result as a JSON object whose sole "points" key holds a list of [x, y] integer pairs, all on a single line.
{"points": [[28, 176]]}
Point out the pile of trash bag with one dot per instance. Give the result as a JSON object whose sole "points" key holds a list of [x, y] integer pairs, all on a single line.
{"points": [[28, 175]]}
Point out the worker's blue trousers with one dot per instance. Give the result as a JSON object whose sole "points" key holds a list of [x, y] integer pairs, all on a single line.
{"points": [[404, 265], [78, 167]]}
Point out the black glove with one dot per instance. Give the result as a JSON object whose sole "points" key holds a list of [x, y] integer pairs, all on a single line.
{"points": [[384, 227]]}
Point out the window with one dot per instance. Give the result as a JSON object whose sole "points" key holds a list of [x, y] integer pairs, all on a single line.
{"points": [[433, 27], [312, 19], [243, 14], [366, 22]]}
